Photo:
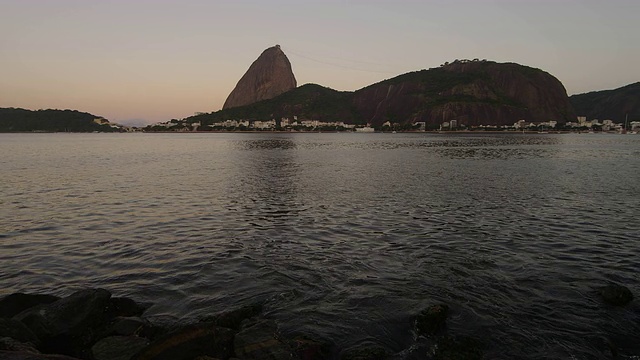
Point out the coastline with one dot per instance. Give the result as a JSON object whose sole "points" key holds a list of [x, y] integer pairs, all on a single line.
{"points": [[91, 324]]}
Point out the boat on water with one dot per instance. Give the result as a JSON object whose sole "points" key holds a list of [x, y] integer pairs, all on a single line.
{"points": [[365, 129]]}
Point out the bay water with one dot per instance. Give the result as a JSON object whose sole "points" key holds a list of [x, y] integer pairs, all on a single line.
{"points": [[343, 236]]}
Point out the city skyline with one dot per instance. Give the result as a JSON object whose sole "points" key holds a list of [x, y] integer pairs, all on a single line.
{"points": [[148, 61]]}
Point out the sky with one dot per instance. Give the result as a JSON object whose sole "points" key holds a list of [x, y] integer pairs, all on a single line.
{"points": [[141, 61]]}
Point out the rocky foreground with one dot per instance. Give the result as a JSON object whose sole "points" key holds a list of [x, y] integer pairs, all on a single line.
{"points": [[91, 324]]}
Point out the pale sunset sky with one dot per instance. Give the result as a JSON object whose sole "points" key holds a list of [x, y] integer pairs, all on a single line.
{"points": [[143, 61]]}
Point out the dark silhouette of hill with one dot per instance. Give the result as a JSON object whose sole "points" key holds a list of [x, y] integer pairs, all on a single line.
{"points": [[23, 120], [613, 104]]}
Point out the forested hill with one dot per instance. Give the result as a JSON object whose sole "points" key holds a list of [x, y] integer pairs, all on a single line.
{"points": [[617, 105], [23, 120]]}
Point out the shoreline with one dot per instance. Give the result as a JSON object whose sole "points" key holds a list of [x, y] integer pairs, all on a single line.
{"points": [[91, 324]]}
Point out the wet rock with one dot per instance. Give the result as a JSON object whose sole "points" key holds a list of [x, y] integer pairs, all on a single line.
{"points": [[72, 314], [366, 352], [616, 295], [16, 330], [13, 304], [204, 339], [67, 326], [418, 351], [125, 307], [10, 344], [458, 348], [118, 347], [260, 341], [132, 326], [306, 348], [233, 319], [21, 355], [432, 320]]}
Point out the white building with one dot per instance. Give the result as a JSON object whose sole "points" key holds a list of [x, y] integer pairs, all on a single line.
{"points": [[421, 124], [263, 125]]}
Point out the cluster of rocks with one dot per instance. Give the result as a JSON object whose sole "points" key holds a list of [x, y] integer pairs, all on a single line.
{"points": [[91, 324]]}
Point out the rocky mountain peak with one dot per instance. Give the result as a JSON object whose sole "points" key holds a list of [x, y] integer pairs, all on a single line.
{"points": [[269, 76]]}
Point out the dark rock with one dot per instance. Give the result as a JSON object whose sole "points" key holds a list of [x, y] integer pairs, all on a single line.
{"points": [[7, 343], [204, 339], [68, 325], [118, 347], [365, 352], [132, 326], [616, 295], [16, 330], [420, 350], [14, 304], [269, 76], [125, 307], [432, 320], [72, 314], [458, 348], [233, 319], [309, 349], [260, 341], [22, 355]]}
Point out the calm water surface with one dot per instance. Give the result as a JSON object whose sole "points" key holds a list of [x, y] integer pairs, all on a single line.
{"points": [[344, 236]]}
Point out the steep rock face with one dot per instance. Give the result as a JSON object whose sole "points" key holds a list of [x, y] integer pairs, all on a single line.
{"points": [[269, 76], [472, 92], [617, 105]]}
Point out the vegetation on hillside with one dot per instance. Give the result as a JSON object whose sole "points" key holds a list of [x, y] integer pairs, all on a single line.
{"points": [[613, 105], [22, 120], [310, 101]]}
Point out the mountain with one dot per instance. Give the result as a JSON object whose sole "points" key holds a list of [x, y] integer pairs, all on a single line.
{"points": [[609, 104], [472, 92], [269, 76], [16, 119]]}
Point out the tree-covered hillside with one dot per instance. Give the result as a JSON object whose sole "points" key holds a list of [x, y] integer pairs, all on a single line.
{"points": [[22, 120], [617, 105], [310, 101]]}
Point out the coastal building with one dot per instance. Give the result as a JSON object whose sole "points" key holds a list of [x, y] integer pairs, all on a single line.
{"points": [[310, 123], [264, 125], [422, 126]]}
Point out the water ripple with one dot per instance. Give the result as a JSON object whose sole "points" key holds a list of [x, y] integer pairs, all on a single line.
{"points": [[343, 236]]}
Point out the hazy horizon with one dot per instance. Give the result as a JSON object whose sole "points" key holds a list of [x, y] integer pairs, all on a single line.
{"points": [[147, 61]]}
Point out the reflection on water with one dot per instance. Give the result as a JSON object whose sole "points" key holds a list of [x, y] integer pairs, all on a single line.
{"points": [[345, 236]]}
